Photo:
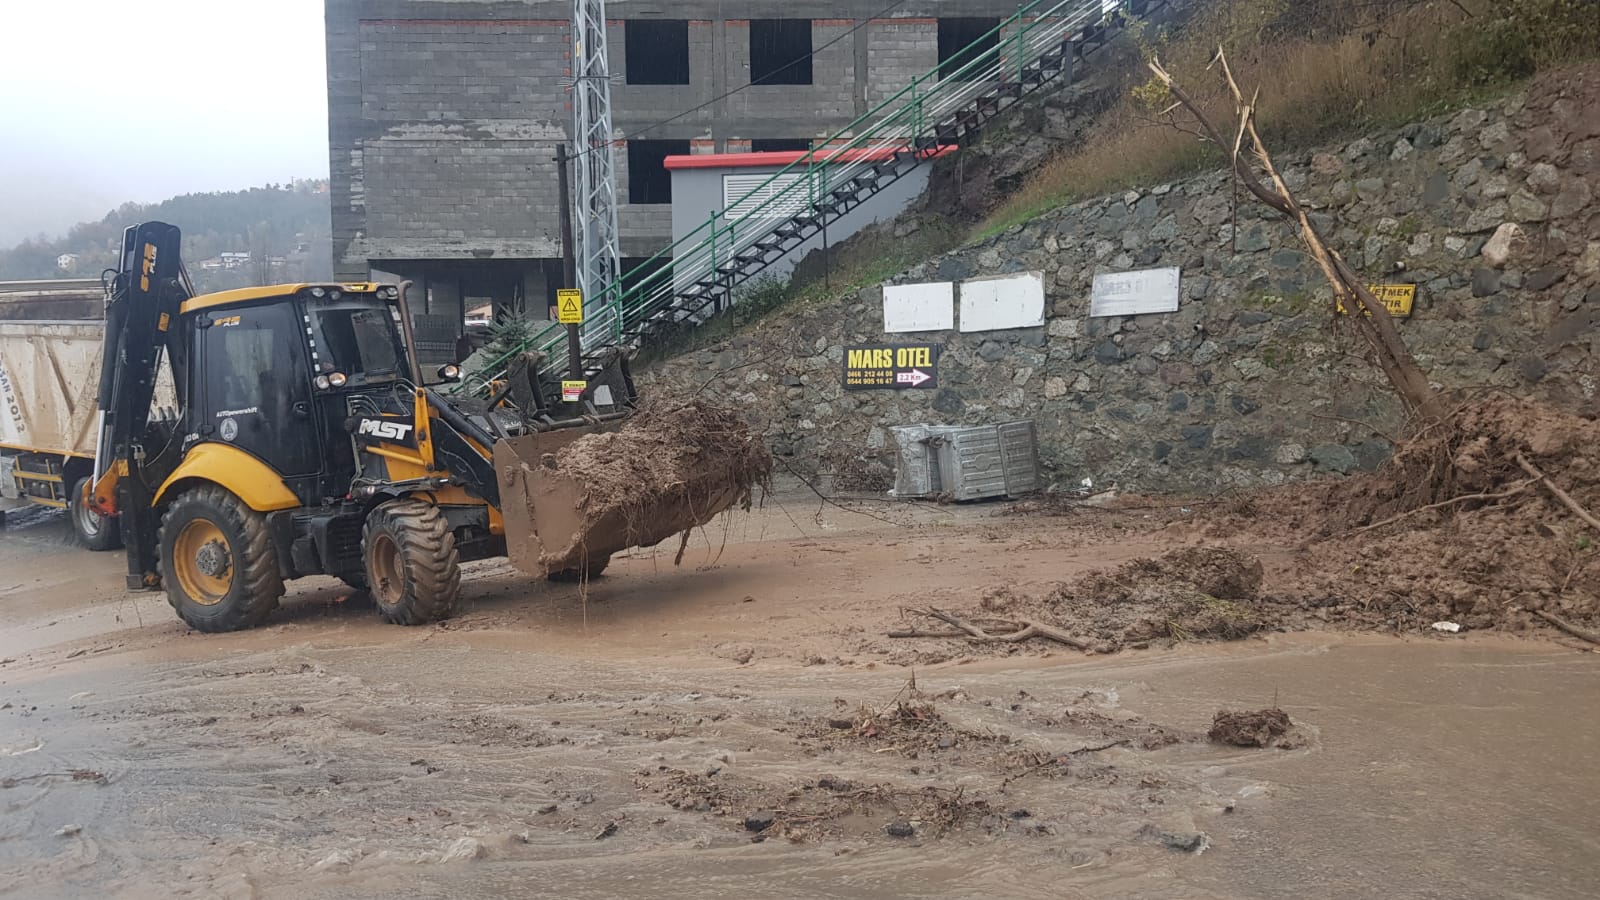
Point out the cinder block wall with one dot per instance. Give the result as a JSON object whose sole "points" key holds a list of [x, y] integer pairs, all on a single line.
{"points": [[444, 114]]}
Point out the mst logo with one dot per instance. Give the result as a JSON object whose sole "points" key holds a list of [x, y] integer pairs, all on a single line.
{"points": [[386, 429]]}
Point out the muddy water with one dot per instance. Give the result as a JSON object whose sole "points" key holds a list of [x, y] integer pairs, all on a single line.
{"points": [[610, 742], [1434, 769]]}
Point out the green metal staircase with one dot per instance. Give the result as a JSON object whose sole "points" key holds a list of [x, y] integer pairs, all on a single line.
{"points": [[695, 278]]}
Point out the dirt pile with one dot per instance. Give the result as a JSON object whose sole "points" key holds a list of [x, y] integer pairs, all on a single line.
{"points": [[1255, 728], [1192, 593], [1465, 523], [1188, 594], [671, 468], [820, 808], [909, 728]]}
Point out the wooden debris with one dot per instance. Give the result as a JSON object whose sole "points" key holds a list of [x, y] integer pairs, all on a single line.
{"points": [[1004, 631], [1568, 627], [1559, 494]]}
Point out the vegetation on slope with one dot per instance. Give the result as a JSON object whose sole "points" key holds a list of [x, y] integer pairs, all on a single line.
{"points": [[1326, 68]]}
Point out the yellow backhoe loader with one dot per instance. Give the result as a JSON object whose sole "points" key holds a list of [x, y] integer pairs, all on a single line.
{"points": [[305, 441]]}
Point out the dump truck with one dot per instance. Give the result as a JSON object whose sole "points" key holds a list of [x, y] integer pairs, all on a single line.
{"points": [[304, 439], [50, 334]]}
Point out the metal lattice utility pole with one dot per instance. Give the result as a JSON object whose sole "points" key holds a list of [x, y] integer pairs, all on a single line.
{"points": [[599, 244]]}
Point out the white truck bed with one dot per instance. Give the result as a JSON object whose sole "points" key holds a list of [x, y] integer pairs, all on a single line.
{"points": [[49, 381]]}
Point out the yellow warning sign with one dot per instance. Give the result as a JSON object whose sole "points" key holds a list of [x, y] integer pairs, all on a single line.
{"points": [[1398, 297], [572, 391], [569, 306]]}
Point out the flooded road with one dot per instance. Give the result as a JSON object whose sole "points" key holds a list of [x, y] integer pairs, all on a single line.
{"points": [[729, 731]]}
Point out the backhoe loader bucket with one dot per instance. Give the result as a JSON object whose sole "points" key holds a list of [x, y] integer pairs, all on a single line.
{"points": [[572, 497]]}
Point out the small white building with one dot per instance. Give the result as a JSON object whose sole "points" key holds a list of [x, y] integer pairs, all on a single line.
{"points": [[714, 184]]}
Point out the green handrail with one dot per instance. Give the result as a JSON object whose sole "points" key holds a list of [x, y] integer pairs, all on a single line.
{"points": [[660, 273]]}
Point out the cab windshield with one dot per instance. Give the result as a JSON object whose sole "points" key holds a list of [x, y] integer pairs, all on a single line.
{"points": [[360, 341]]}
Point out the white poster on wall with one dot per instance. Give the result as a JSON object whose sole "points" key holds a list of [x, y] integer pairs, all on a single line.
{"points": [[1011, 301], [1134, 293], [919, 307]]}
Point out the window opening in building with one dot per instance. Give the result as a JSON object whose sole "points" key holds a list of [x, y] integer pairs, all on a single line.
{"points": [[780, 145], [965, 40], [636, 269], [780, 51], [657, 51], [648, 178]]}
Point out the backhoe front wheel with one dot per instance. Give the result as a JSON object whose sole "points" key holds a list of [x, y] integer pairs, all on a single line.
{"points": [[92, 529], [413, 569], [218, 561]]}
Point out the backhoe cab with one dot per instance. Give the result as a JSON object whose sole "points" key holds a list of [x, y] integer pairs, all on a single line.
{"points": [[305, 442]]}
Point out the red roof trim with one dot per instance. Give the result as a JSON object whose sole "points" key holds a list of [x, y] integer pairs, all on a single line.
{"points": [[756, 160]]}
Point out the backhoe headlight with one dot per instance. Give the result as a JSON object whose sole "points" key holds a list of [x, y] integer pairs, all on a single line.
{"points": [[337, 379], [323, 383], [389, 293], [319, 293], [449, 372], [335, 294]]}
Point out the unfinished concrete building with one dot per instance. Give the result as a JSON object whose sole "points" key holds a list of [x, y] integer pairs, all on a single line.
{"points": [[445, 115]]}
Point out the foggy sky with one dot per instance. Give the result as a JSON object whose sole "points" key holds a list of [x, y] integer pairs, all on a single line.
{"points": [[106, 101]]}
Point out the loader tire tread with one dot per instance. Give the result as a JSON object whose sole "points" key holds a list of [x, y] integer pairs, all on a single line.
{"points": [[259, 584], [431, 589]]}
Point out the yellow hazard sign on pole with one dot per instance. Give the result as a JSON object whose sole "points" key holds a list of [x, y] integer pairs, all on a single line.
{"points": [[569, 306]]}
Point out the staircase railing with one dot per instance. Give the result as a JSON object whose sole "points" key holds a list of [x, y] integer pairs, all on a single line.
{"points": [[701, 269]]}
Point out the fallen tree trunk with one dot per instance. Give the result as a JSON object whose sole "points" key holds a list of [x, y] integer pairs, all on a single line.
{"points": [[1370, 316]]}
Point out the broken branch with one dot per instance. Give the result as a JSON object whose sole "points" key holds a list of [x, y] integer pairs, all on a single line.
{"points": [[1013, 632], [1515, 489], [1568, 627], [1563, 496]]}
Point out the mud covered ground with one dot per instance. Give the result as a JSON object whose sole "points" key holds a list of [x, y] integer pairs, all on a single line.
{"points": [[744, 724]]}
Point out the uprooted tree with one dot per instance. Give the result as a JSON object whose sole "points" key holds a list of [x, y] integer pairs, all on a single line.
{"points": [[1350, 291], [1370, 316], [1500, 488]]}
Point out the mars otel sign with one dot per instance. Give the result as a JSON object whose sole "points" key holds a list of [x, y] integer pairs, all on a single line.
{"points": [[891, 367]]}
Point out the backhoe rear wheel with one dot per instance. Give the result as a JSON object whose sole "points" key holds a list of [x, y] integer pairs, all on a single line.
{"points": [[218, 561], [413, 568]]}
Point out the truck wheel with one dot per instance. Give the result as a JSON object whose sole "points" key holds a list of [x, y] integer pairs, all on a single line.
{"points": [[218, 561], [593, 568], [413, 569], [92, 529]]}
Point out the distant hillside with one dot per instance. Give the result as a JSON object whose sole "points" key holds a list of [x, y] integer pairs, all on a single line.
{"points": [[231, 239]]}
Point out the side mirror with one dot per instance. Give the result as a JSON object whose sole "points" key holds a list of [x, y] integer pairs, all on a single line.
{"points": [[449, 372]]}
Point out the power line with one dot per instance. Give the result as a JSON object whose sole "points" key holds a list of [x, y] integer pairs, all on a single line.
{"points": [[721, 97]]}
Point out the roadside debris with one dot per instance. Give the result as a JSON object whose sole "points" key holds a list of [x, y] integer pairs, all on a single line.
{"points": [[996, 630], [1192, 842], [1580, 633], [1257, 728], [1189, 594]]}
